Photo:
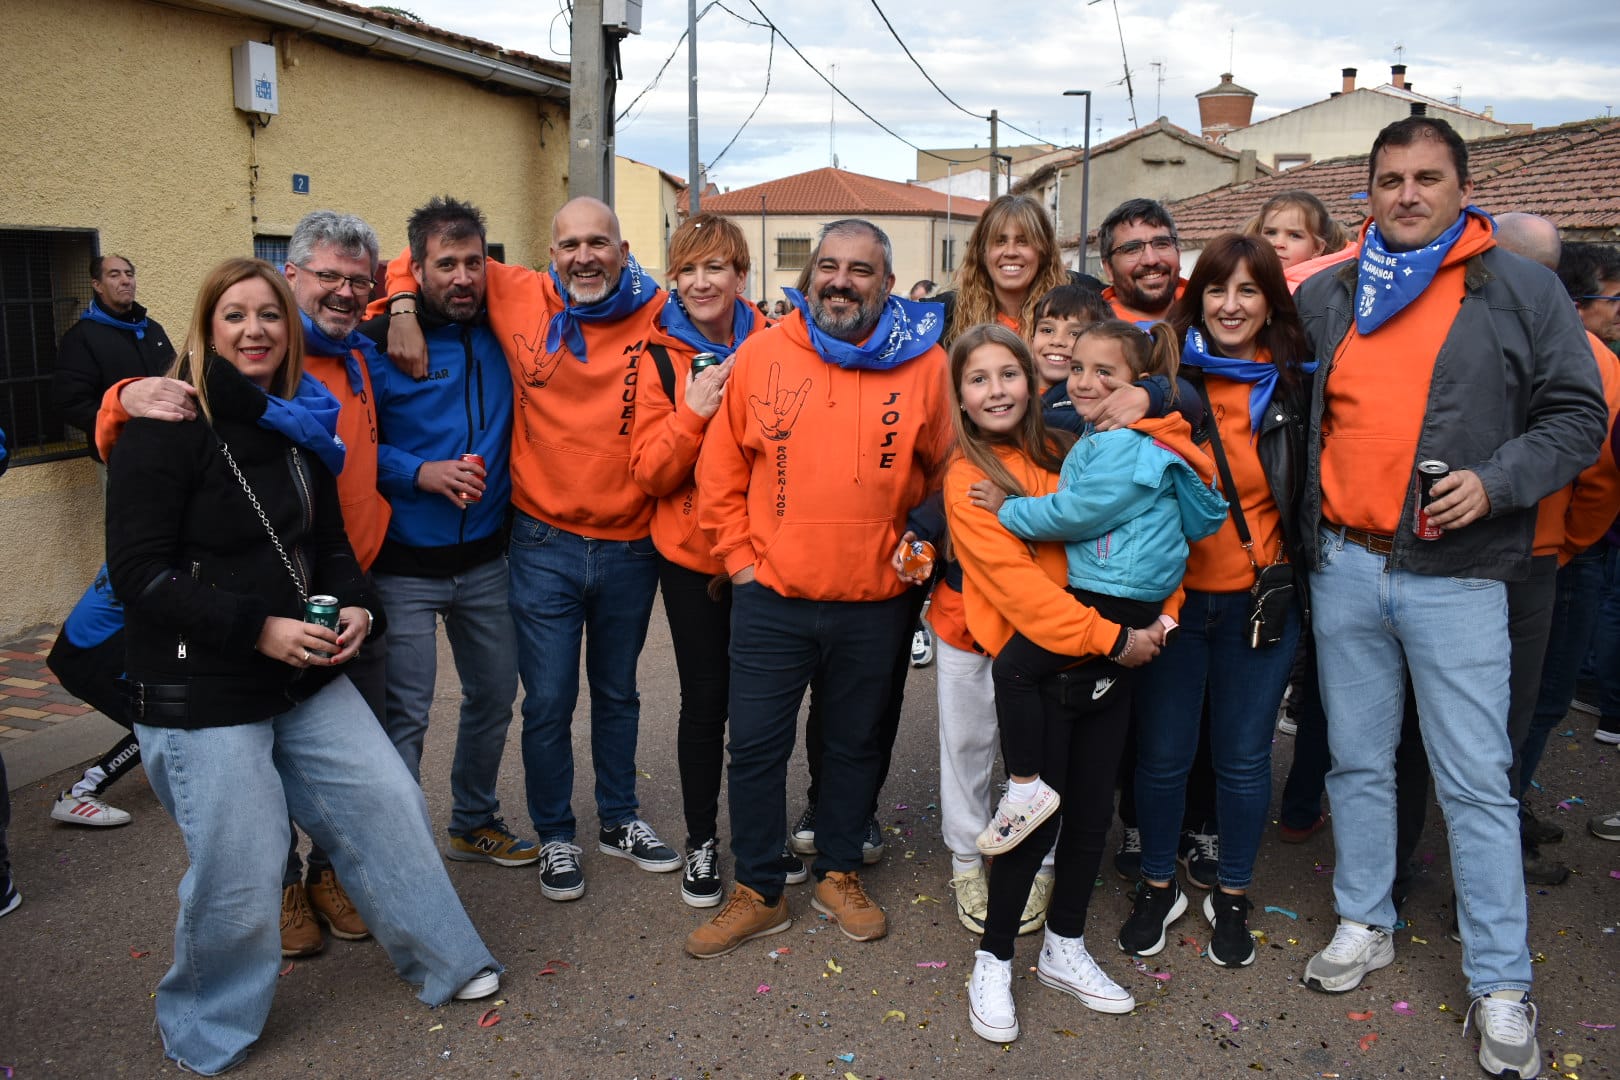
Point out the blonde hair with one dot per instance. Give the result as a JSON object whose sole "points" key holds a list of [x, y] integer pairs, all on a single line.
{"points": [[976, 294], [1318, 221], [199, 342]]}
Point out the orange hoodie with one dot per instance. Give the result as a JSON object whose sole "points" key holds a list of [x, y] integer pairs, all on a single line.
{"points": [[1111, 298], [1576, 516], [1378, 392], [1218, 563], [1010, 586], [808, 469], [664, 445]]}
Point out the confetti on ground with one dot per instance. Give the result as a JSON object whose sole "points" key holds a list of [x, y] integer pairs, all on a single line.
{"points": [[490, 1018], [1065, 1032], [847, 1059], [644, 774], [924, 899], [851, 1076], [932, 963], [1614, 873], [1419, 940], [1322, 868], [1566, 734], [901, 806], [286, 970], [832, 965], [436, 1027], [1273, 908], [1402, 1007], [1260, 937], [1572, 1061], [893, 1014], [1443, 1007], [547, 970], [1230, 1019], [138, 954], [1366, 1041], [1597, 1027], [1360, 1015], [762, 988], [1293, 941], [9, 1073]]}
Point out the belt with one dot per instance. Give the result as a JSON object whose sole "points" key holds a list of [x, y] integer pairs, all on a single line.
{"points": [[1373, 542]]}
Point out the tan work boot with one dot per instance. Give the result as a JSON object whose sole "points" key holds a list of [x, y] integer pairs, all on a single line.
{"points": [[300, 933], [745, 916], [839, 896], [334, 908]]}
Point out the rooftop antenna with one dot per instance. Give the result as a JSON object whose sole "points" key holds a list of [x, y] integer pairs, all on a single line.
{"points": [[1130, 92], [1457, 101], [1400, 53], [1158, 92]]}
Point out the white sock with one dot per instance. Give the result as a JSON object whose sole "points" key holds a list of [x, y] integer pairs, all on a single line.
{"points": [[960, 865], [93, 776], [1023, 792]]}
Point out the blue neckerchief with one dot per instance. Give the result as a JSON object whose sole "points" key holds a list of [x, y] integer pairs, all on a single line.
{"points": [[309, 420], [96, 315], [905, 330], [321, 343], [1386, 281], [678, 324], [1263, 377], [635, 288]]}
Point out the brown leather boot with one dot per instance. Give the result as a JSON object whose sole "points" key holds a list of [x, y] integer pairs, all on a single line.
{"points": [[840, 897], [300, 933], [744, 917], [334, 908]]}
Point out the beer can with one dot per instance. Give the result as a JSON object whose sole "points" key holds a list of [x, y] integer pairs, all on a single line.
{"points": [[322, 611], [703, 360], [918, 561], [478, 460], [1428, 473]]}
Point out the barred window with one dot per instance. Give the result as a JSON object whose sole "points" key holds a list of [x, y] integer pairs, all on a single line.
{"points": [[947, 253], [44, 285], [792, 252], [272, 249]]}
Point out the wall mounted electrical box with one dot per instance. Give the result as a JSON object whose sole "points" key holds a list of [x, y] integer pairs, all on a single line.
{"points": [[253, 70], [622, 15]]}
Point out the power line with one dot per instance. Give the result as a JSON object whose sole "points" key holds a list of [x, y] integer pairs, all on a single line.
{"points": [[769, 59]]}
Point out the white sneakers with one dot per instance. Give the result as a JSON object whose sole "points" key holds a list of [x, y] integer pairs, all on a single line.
{"points": [[990, 1003], [1064, 965], [1507, 1034], [481, 985], [1014, 820], [1355, 952], [87, 810]]}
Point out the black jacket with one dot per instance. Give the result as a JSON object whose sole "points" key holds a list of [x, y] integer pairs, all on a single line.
{"points": [[197, 571], [92, 356]]}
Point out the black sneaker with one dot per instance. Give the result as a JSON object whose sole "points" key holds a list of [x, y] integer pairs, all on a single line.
{"points": [[700, 883], [872, 842], [560, 875], [635, 840], [1230, 945], [1200, 856], [1540, 870], [1533, 830], [9, 896], [793, 871], [802, 837], [1128, 859], [1155, 908]]}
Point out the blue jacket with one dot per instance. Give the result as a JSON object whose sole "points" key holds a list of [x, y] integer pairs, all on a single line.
{"points": [[97, 616], [463, 406], [1127, 507]]}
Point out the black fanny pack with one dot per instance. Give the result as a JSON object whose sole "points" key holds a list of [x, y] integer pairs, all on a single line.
{"points": [[1270, 597]]}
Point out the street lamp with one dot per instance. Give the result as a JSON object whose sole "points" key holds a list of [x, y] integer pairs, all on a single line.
{"points": [[1085, 175]]}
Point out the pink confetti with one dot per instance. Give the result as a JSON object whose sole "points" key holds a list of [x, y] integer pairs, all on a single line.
{"points": [[1402, 1007], [1230, 1019], [490, 1018], [1614, 873], [1162, 976], [762, 988], [1563, 804], [901, 806], [933, 963], [1597, 1027], [138, 954], [288, 970]]}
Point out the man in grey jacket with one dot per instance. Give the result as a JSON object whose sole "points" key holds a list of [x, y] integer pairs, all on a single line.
{"points": [[1436, 347]]}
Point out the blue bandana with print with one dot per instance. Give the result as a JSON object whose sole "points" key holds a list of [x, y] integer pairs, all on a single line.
{"points": [[905, 330]]}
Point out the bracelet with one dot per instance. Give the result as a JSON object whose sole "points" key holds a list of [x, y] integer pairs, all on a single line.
{"points": [[1130, 639], [371, 621], [402, 311], [395, 296]]}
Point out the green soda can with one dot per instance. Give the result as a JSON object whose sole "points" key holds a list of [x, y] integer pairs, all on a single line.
{"points": [[322, 611]]}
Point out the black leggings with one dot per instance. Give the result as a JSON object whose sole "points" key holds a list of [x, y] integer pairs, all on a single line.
{"points": [[91, 675], [1021, 665], [700, 628], [1086, 717]]}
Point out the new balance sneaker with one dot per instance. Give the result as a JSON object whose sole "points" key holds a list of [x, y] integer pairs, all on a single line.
{"points": [[840, 897], [972, 898], [1230, 944], [481, 985], [9, 896], [87, 810], [700, 881], [990, 1002], [922, 647], [872, 842], [1066, 965], [635, 840], [1040, 898], [802, 837], [300, 933], [1507, 1034], [1152, 912], [333, 907], [794, 871], [560, 875], [1605, 826], [1014, 820], [493, 843], [1128, 859], [746, 916], [1354, 953], [1200, 856]]}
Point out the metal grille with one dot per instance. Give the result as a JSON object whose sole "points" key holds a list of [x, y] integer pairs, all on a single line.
{"points": [[272, 249], [792, 252], [44, 285]]}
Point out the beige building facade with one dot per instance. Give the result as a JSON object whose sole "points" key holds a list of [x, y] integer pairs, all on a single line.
{"points": [[120, 134], [646, 199]]}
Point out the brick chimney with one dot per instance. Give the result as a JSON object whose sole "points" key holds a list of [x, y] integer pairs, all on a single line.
{"points": [[1397, 76], [1224, 108], [1349, 80]]}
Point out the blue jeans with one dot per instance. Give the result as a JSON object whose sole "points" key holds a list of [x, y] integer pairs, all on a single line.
{"points": [[479, 626], [568, 588], [1578, 593], [780, 644], [1245, 685], [230, 790], [1372, 626]]}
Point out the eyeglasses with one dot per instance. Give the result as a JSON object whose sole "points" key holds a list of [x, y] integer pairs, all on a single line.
{"points": [[1615, 299], [1132, 249], [332, 281]]}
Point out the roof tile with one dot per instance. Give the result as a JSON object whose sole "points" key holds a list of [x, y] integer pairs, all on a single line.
{"points": [[836, 191]]}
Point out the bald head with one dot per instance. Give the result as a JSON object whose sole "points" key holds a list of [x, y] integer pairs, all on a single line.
{"points": [[1529, 235], [587, 249]]}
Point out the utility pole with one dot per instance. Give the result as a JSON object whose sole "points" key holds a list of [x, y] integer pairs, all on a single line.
{"points": [[995, 177], [594, 83], [695, 186], [763, 287]]}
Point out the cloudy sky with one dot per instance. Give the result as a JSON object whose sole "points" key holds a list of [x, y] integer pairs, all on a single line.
{"points": [[1543, 62]]}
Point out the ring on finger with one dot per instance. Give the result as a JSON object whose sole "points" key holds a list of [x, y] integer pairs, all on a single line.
{"points": [[306, 656]]}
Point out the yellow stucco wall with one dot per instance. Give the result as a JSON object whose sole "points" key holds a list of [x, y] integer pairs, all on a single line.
{"points": [[645, 203], [117, 116]]}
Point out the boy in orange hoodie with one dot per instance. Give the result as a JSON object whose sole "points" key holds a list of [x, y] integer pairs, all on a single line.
{"points": [[834, 425]]}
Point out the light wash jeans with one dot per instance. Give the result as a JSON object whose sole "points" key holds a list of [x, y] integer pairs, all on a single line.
{"points": [[967, 746], [230, 790], [568, 589], [1452, 633], [479, 626]]}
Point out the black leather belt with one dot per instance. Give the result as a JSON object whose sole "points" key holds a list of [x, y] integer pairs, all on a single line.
{"points": [[1373, 542]]}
